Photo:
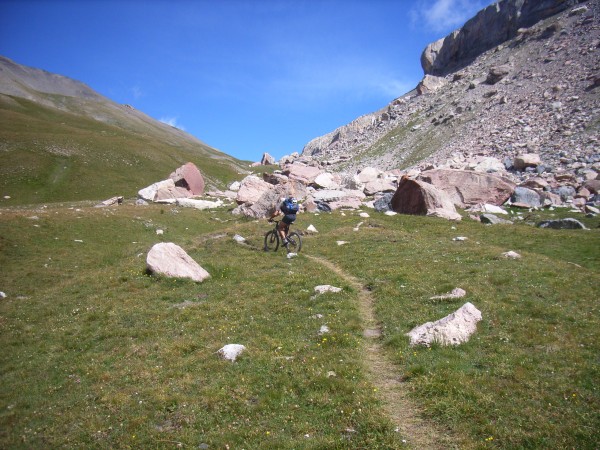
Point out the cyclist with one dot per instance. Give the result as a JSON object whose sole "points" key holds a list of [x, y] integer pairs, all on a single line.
{"points": [[289, 208]]}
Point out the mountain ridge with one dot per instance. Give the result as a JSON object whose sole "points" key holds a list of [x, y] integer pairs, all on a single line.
{"points": [[544, 101], [52, 124]]}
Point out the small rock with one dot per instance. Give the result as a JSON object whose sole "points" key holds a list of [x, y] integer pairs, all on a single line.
{"points": [[291, 255], [460, 238], [323, 330], [456, 293], [321, 289], [239, 239], [341, 242], [364, 215], [311, 229], [511, 255], [2, 294], [230, 352], [160, 232], [391, 213]]}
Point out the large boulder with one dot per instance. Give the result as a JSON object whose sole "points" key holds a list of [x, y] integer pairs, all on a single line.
{"points": [[523, 196], [189, 177], [251, 189], [267, 160], [368, 174], [302, 173], [384, 203], [379, 185], [420, 198], [149, 193], [467, 188], [453, 329], [332, 195], [171, 260], [346, 203], [327, 180], [562, 224], [486, 164], [270, 200], [430, 84]]}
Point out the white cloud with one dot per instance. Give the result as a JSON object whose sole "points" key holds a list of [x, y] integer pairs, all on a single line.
{"points": [[172, 121], [137, 92], [446, 15]]}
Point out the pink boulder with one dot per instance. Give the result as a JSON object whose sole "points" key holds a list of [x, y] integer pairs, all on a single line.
{"points": [[468, 188], [189, 177], [420, 198]]}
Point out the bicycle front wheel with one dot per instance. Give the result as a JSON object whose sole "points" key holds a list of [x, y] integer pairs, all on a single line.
{"points": [[271, 241], [295, 242]]}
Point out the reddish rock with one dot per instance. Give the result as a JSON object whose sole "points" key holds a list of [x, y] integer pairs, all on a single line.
{"points": [[189, 177], [299, 172], [420, 198], [593, 186], [467, 188], [535, 183], [251, 189]]}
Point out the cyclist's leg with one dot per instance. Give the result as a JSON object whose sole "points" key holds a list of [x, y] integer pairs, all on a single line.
{"points": [[283, 228]]}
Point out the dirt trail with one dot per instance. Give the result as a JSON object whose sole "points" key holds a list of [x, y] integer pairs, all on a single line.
{"points": [[386, 378]]}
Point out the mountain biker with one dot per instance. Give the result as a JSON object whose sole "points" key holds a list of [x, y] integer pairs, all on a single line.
{"points": [[289, 208]]}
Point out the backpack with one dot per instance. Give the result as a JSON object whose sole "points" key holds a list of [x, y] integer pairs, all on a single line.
{"points": [[288, 207]]}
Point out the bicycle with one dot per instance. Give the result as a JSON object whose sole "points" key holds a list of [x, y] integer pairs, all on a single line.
{"points": [[272, 240]]}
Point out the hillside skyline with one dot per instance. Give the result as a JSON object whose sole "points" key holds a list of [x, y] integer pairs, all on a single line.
{"points": [[245, 78]]}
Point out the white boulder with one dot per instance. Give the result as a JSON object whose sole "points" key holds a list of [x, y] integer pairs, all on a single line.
{"points": [[171, 260], [323, 288], [231, 352], [453, 329]]}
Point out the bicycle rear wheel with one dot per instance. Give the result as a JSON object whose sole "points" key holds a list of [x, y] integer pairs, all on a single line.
{"points": [[294, 243], [271, 241]]}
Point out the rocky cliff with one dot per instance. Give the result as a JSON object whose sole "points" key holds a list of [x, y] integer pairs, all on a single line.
{"points": [[492, 26], [536, 92]]}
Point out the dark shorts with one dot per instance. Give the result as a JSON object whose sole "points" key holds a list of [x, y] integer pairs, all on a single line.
{"points": [[289, 219]]}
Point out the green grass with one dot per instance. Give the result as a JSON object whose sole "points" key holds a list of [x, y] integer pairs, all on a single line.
{"points": [[51, 155], [98, 354]]}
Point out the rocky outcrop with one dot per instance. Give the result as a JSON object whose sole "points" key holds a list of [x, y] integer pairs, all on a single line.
{"points": [[491, 26]]}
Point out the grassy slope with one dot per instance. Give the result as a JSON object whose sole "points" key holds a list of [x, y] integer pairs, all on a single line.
{"points": [[97, 354], [50, 155]]}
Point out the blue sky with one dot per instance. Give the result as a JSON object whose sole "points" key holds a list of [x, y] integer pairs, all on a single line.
{"points": [[245, 77]]}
